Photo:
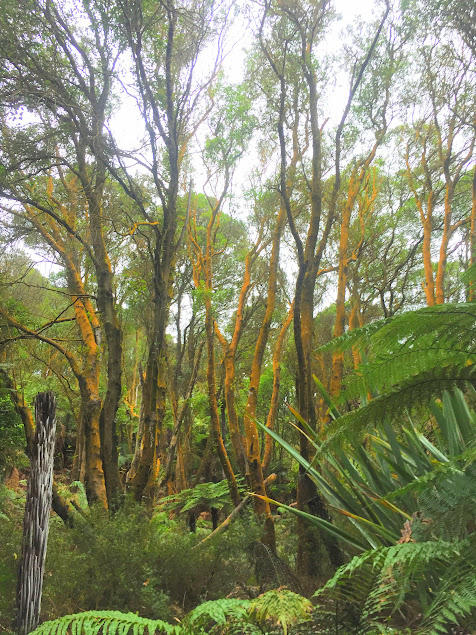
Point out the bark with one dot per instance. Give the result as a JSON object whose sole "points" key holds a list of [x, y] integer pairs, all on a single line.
{"points": [[253, 451], [310, 252], [203, 272], [229, 351], [360, 178], [213, 404], [273, 406], [37, 514]]}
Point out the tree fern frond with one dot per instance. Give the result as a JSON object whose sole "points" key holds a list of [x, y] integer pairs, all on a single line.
{"points": [[447, 323], [456, 596], [378, 582], [110, 622], [419, 389], [409, 345]]}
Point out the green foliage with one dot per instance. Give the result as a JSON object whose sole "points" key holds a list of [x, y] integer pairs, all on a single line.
{"points": [[414, 357], [114, 560], [379, 485], [281, 607], [111, 622], [11, 516], [189, 574], [12, 437], [202, 495], [409, 496], [380, 583], [215, 613]]}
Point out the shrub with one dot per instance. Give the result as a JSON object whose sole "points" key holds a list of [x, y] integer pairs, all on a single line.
{"points": [[103, 563]]}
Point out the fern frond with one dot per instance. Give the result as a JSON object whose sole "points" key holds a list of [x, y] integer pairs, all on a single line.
{"points": [[378, 582], [107, 622], [281, 607], [429, 344], [446, 323], [418, 389], [216, 612], [456, 596]]}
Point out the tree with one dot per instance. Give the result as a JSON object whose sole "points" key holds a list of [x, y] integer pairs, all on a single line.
{"points": [[300, 26], [65, 85]]}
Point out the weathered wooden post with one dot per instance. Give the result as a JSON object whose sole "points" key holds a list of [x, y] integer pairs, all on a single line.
{"points": [[37, 513]]}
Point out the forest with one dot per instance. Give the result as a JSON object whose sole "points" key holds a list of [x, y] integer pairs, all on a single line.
{"points": [[238, 245]]}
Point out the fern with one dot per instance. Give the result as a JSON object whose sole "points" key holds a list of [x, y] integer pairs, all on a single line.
{"points": [[107, 622], [215, 613], [381, 582], [208, 494], [418, 389], [282, 607], [414, 357]]}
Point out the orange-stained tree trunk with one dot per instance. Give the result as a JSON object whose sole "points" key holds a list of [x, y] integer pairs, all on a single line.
{"points": [[87, 369], [253, 450], [311, 249], [203, 279], [360, 179], [273, 406], [430, 138]]}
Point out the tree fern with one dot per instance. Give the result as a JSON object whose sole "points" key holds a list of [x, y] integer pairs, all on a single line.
{"points": [[418, 389], [380, 583], [413, 357], [215, 613], [204, 494]]}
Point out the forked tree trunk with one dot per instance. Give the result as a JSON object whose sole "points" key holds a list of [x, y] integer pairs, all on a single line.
{"points": [[37, 513]]}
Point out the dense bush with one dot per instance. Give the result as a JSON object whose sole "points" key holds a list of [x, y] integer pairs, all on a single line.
{"points": [[12, 438], [127, 562], [11, 514], [103, 563]]}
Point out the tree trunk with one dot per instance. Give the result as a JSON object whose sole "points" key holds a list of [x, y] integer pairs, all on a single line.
{"points": [[273, 406], [37, 513]]}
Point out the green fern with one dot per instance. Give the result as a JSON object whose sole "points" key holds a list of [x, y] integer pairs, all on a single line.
{"points": [[204, 494], [282, 608], [381, 582], [418, 389], [107, 622], [215, 613], [414, 356]]}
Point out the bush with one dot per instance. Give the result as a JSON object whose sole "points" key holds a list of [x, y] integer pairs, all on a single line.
{"points": [[11, 514], [103, 563], [12, 438], [191, 574]]}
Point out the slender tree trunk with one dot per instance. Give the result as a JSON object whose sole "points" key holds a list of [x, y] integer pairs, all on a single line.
{"points": [[440, 273], [273, 406], [37, 514], [253, 451], [429, 284], [213, 404], [113, 335], [339, 324]]}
